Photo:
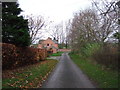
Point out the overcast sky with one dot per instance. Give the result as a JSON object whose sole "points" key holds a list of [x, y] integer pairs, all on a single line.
{"points": [[56, 10]]}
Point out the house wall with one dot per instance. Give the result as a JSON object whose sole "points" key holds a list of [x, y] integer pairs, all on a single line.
{"points": [[48, 41], [51, 43], [65, 50], [56, 45]]}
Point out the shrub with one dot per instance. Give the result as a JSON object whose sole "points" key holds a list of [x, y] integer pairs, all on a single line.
{"points": [[104, 54], [89, 49], [13, 56], [107, 55], [42, 55], [8, 55], [26, 56]]}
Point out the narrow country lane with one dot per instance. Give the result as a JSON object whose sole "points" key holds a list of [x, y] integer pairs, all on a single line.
{"points": [[67, 75]]}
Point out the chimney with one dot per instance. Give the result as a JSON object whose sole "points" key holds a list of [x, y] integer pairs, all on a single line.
{"points": [[54, 38]]}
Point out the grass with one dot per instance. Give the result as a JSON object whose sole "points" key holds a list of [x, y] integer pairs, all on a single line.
{"points": [[102, 77], [57, 54], [28, 77]]}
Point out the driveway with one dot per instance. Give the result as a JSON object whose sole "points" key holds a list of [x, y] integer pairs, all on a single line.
{"points": [[67, 75], [54, 57]]}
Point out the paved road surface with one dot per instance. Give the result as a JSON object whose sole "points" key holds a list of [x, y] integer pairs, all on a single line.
{"points": [[54, 57], [67, 75]]}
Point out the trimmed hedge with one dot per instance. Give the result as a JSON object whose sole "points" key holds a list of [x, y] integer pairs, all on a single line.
{"points": [[13, 56]]}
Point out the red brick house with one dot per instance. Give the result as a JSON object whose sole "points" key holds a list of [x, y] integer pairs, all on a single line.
{"points": [[49, 44]]}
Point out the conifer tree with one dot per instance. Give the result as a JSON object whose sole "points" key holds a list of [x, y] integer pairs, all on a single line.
{"points": [[14, 27]]}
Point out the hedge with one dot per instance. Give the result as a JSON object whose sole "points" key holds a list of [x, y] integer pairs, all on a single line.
{"points": [[13, 56], [108, 56]]}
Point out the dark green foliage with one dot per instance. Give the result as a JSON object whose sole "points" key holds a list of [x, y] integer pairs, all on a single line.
{"points": [[14, 27]]}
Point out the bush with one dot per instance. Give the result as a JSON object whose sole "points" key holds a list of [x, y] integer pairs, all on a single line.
{"points": [[26, 56], [42, 54], [8, 55], [89, 49], [107, 55], [13, 56]]}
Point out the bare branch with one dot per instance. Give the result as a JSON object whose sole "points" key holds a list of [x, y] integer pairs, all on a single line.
{"points": [[35, 25]]}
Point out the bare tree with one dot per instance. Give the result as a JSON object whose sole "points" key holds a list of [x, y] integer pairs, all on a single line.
{"points": [[84, 29], [35, 25], [56, 32], [109, 14], [93, 25]]}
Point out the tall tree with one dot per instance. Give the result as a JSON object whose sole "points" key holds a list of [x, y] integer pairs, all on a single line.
{"points": [[109, 13], [84, 29], [14, 27], [35, 25]]}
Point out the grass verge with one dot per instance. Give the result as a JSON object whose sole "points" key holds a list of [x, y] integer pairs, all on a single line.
{"points": [[103, 78], [57, 54], [31, 76]]}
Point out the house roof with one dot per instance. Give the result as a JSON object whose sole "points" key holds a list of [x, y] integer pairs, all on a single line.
{"points": [[55, 41], [53, 47], [40, 41]]}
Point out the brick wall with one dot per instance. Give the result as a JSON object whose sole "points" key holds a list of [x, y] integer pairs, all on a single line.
{"points": [[65, 50]]}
